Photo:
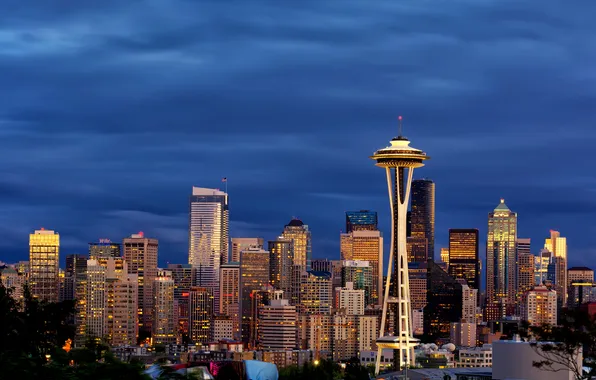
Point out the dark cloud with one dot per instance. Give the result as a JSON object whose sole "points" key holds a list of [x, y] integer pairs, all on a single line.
{"points": [[110, 112]]}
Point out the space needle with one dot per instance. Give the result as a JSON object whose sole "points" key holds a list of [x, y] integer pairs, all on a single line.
{"points": [[399, 160]]}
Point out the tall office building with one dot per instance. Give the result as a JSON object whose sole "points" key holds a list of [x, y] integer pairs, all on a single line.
{"points": [[541, 266], [418, 276], [558, 246], [104, 248], [254, 275], [277, 324], [281, 261], [96, 313], [229, 300], [539, 306], [200, 314], [500, 255], [363, 220], [164, 312], [366, 245], [208, 232], [464, 261], [525, 267], [183, 276], [445, 256], [140, 254], [417, 249], [315, 293], [240, 244], [423, 212], [301, 237], [359, 274], [444, 304], [76, 266], [44, 248]]}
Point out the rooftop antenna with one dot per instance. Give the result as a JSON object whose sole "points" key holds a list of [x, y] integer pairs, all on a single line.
{"points": [[400, 126]]}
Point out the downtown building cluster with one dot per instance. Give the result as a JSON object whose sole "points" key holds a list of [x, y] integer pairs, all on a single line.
{"points": [[273, 297]]}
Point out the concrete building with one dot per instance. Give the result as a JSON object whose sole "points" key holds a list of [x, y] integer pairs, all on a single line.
{"points": [[222, 328], [345, 336], [44, 257], [315, 293], [539, 306], [368, 332], [229, 290], [164, 313], [469, 303], [463, 334], [476, 357], [254, 275], [580, 274], [349, 300], [200, 314], [140, 254], [241, 244], [506, 352], [277, 324]]}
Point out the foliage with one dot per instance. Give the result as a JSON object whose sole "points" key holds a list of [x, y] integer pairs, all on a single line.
{"points": [[32, 334], [325, 370], [559, 346]]}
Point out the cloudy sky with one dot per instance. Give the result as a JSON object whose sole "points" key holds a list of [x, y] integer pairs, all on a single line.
{"points": [[111, 111]]}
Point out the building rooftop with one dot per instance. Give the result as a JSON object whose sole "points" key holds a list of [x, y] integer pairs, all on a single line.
{"points": [[580, 268], [502, 206], [295, 222]]}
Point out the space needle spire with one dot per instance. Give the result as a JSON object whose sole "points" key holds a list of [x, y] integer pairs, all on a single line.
{"points": [[399, 160]]}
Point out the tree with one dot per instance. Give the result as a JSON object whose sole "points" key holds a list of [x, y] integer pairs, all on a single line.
{"points": [[559, 347]]}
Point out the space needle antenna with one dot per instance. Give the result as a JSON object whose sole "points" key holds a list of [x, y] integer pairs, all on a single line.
{"points": [[400, 130]]}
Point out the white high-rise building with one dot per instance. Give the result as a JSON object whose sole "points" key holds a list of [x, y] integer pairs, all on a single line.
{"points": [[208, 233], [469, 303], [540, 306], [350, 300], [558, 246]]}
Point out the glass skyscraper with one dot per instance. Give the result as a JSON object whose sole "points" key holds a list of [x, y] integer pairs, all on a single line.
{"points": [[299, 234], [463, 256], [361, 220], [500, 255], [422, 216], [208, 233]]}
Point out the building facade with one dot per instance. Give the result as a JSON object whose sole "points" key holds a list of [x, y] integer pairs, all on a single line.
{"points": [[464, 260], [140, 254], [301, 238], [240, 244], [44, 257], [423, 212], [500, 256], [164, 312], [540, 306]]}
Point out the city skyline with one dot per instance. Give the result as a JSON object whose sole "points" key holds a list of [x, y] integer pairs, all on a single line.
{"points": [[317, 96]]}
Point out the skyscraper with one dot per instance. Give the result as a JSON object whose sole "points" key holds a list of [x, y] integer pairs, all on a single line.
{"points": [[164, 313], [315, 293], [277, 324], [104, 248], [300, 235], [444, 304], [44, 247], [525, 267], [500, 255], [417, 248], [208, 233], [445, 256], [464, 261], [366, 245], [359, 274], [558, 246], [539, 306], [363, 220], [183, 276], [229, 302], [423, 212], [254, 275], [281, 261], [399, 161], [240, 244], [140, 254], [200, 314]]}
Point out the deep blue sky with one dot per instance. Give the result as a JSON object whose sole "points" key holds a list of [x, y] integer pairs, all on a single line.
{"points": [[110, 111]]}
